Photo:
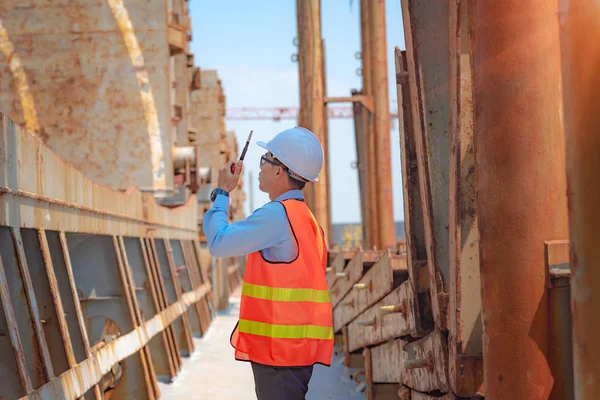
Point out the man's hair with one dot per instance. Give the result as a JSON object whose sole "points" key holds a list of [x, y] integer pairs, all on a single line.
{"points": [[296, 183]]}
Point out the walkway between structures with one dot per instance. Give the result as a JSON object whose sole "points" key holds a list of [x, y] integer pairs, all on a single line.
{"points": [[211, 373]]}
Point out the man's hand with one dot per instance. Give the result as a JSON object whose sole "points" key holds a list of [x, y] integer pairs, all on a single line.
{"points": [[227, 180]]}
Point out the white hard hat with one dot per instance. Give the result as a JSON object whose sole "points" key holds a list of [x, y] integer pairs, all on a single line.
{"points": [[299, 150]]}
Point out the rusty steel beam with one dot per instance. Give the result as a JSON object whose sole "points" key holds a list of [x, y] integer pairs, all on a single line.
{"points": [[75, 296], [311, 60], [56, 299], [521, 186], [133, 312], [40, 338], [302, 57], [187, 331], [370, 187], [580, 35], [163, 301], [15, 336], [464, 320], [145, 355], [426, 33], [360, 114], [76, 381], [165, 340], [381, 116]]}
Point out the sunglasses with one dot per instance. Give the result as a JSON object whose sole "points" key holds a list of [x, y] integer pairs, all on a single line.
{"points": [[264, 159]]}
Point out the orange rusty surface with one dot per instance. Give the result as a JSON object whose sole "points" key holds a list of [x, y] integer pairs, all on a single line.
{"points": [[76, 381], [580, 26], [380, 151], [42, 190], [521, 186], [95, 75]]}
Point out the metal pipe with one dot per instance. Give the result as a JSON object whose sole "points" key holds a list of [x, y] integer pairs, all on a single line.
{"points": [[385, 214], [370, 225], [521, 186], [580, 35]]}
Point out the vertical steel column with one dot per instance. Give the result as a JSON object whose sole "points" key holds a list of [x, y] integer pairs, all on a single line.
{"points": [[580, 25], [302, 58], [384, 205], [521, 186], [367, 126], [310, 50]]}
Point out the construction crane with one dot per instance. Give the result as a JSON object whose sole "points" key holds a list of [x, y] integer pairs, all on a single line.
{"points": [[280, 113]]}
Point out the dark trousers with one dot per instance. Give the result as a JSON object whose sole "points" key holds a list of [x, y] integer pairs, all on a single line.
{"points": [[274, 383]]}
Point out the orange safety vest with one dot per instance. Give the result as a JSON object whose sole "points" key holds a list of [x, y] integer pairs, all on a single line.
{"points": [[285, 312]]}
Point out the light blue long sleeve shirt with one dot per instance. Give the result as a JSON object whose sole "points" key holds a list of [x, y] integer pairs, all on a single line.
{"points": [[267, 229]]}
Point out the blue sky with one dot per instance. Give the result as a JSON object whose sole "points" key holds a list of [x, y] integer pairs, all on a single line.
{"points": [[250, 44]]}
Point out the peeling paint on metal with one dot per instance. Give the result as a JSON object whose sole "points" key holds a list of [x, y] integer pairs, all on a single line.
{"points": [[20, 78], [76, 381], [150, 113]]}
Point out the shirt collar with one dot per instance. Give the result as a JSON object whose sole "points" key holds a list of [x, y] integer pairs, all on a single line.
{"points": [[291, 194]]}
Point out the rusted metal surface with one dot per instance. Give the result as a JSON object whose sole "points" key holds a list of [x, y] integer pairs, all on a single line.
{"points": [[76, 381], [561, 339], [75, 297], [174, 277], [393, 317], [464, 320], [107, 63], [521, 186], [145, 357], [426, 34], [361, 120], [580, 35], [198, 322], [375, 390], [416, 253], [388, 273], [35, 181], [40, 337], [60, 313], [164, 352], [133, 310], [162, 298], [381, 144], [424, 396], [425, 364], [15, 337], [314, 111], [350, 275], [387, 362]]}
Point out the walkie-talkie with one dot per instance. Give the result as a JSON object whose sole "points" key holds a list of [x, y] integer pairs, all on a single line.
{"points": [[243, 152]]}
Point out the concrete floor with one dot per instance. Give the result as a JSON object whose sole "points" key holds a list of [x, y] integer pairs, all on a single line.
{"points": [[212, 373]]}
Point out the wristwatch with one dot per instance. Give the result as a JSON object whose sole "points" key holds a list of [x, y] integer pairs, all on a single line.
{"points": [[216, 192]]}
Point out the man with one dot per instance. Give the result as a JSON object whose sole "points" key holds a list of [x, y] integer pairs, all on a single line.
{"points": [[285, 324]]}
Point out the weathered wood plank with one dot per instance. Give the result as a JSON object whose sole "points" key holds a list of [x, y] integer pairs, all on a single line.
{"points": [[387, 362], [350, 360], [426, 364], [356, 268], [387, 274], [389, 318]]}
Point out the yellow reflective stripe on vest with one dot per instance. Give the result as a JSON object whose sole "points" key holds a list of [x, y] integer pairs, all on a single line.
{"points": [[285, 294], [285, 331]]}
